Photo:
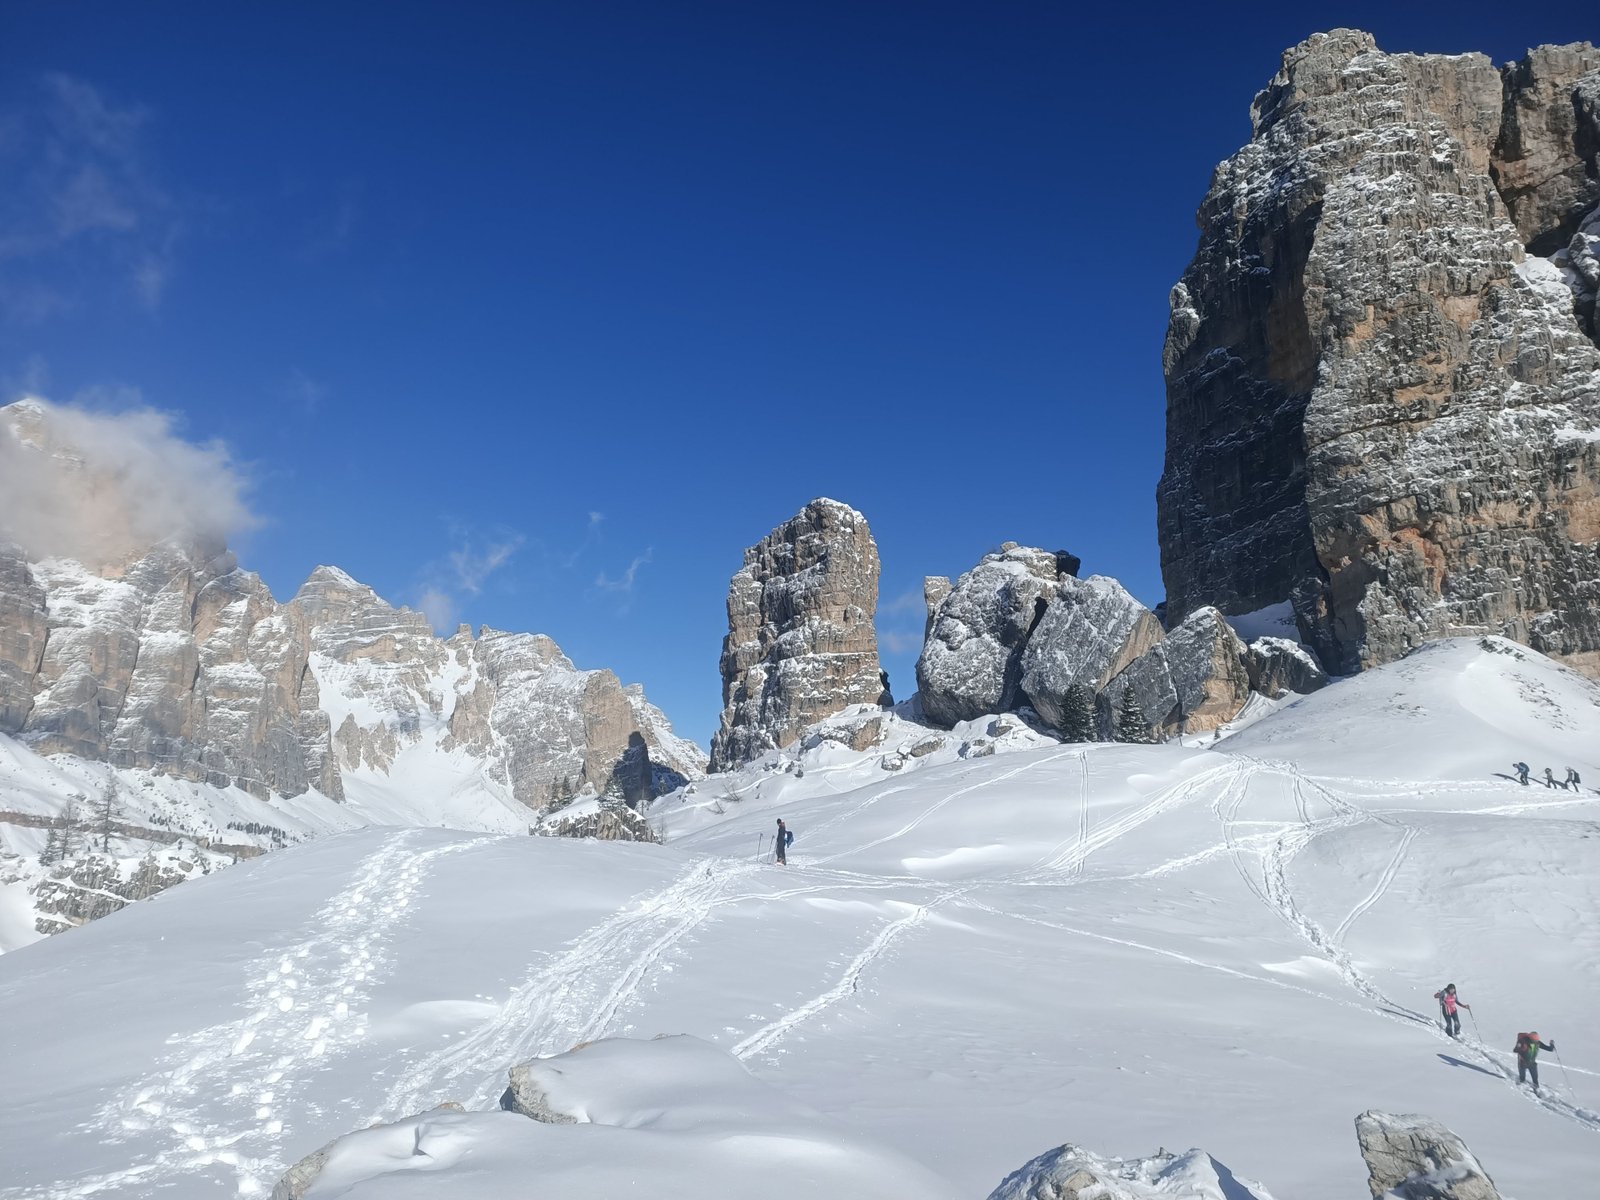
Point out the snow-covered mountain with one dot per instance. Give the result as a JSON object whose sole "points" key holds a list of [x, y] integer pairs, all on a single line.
{"points": [[985, 945]]}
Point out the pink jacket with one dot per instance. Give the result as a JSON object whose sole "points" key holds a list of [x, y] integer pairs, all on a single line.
{"points": [[1448, 999]]}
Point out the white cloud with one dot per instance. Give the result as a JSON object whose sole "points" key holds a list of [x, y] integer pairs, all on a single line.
{"points": [[624, 584], [909, 601], [81, 207], [902, 643], [440, 608], [80, 482]]}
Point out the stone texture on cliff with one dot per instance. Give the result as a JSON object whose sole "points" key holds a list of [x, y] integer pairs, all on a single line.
{"points": [[1279, 666], [1539, 157], [1195, 679], [24, 626], [1371, 409], [1411, 1157], [801, 643], [1089, 632]]}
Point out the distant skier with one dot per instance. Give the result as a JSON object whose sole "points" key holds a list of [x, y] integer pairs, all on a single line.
{"points": [[1549, 778], [1527, 1048], [1448, 1004], [1521, 768], [781, 843], [1573, 781]]}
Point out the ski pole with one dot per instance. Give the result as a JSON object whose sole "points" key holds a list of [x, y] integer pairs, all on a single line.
{"points": [[761, 845], [1567, 1079], [1476, 1032]]}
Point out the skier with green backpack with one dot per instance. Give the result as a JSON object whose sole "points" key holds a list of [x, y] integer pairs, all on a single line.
{"points": [[1527, 1049]]}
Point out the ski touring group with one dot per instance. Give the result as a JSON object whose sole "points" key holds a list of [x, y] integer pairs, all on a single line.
{"points": [[1572, 783], [1527, 1047]]}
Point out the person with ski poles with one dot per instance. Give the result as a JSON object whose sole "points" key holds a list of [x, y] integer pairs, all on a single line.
{"points": [[1549, 778], [1448, 1006], [1521, 768], [1574, 781], [1527, 1048], [780, 844]]}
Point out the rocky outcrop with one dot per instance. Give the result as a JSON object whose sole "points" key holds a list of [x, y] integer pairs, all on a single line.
{"points": [[1545, 174], [1195, 679], [1375, 406], [1412, 1157], [934, 589], [1278, 666], [801, 643], [971, 663], [1072, 1173], [1089, 632], [299, 1180]]}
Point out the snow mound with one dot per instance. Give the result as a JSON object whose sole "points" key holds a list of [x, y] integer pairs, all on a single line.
{"points": [[1462, 708], [674, 1117]]}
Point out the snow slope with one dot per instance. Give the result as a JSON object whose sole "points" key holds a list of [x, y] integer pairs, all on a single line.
{"points": [[997, 947]]}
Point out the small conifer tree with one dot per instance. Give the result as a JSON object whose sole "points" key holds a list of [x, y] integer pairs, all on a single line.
{"points": [[1131, 725], [1077, 715]]}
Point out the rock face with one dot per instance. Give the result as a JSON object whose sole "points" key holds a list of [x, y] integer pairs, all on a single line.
{"points": [[971, 663], [1377, 406], [1089, 632], [1278, 666], [176, 660], [1195, 679], [1411, 1157], [801, 642]]}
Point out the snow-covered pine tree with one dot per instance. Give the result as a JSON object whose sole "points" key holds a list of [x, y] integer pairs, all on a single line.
{"points": [[1131, 725], [105, 814], [1077, 715], [51, 854]]}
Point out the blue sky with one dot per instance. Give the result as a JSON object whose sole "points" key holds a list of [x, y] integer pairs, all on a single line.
{"points": [[541, 313]]}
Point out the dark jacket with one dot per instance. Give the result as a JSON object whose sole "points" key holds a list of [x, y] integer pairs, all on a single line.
{"points": [[1528, 1051]]}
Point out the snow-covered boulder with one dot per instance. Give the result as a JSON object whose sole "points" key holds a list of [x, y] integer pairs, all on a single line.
{"points": [[675, 1118], [1279, 666], [1412, 1157], [1195, 679], [971, 663], [1072, 1173], [1088, 633]]}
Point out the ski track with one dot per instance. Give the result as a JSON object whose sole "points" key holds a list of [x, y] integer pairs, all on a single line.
{"points": [[1276, 894], [574, 997], [1382, 886], [214, 1104], [848, 983]]}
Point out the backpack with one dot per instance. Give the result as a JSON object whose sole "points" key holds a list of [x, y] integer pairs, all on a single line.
{"points": [[1524, 1043], [788, 838]]}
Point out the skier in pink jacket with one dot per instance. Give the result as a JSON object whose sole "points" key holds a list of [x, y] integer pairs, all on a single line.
{"points": [[1448, 1004]]}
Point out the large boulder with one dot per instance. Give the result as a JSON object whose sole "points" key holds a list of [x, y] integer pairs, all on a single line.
{"points": [[1279, 666], [1195, 679], [801, 643], [971, 663], [1411, 1157], [1376, 406], [1089, 632]]}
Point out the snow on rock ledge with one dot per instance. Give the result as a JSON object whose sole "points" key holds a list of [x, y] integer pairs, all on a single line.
{"points": [[1072, 1173], [676, 1112]]}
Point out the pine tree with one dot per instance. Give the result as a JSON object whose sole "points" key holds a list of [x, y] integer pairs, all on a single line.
{"points": [[51, 854], [1077, 715], [1131, 725], [105, 813], [67, 847]]}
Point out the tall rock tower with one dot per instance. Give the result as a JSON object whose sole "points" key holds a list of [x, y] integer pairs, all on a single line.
{"points": [[1381, 405], [801, 644]]}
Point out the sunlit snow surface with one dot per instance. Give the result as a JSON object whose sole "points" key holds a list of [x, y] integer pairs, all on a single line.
{"points": [[968, 961]]}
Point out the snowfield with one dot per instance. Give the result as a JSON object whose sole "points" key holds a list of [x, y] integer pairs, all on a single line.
{"points": [[996, 946]]}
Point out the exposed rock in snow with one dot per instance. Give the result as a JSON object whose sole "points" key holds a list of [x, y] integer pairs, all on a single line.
{"points": [[934, 589], [1278, 666], [1370, 410], [311, 1172], [1411, 1157], [1072, 1173], [24, 624], [801, 642], [1196, 679], [971, 663], [1089, 632], [604, 821]]}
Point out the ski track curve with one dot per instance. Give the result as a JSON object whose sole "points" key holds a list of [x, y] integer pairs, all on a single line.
{"points": [[1381, 888], [214, 1103], [570, 998]]}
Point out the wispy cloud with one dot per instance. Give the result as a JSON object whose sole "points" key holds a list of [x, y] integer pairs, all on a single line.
{"points": [[907, 603], [304, 392], [82, 205], [462, 573], [899, 642], [624, 583]]}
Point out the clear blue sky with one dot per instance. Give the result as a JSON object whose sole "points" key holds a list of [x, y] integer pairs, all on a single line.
{"points": [[546, 311]]}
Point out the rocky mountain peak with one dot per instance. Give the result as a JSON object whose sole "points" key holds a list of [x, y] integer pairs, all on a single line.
{"points": [[1379, 407], [801, 643]]}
